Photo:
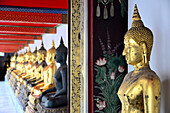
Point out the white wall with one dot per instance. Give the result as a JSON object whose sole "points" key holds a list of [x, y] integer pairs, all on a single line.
{"points": [[62, 30], [156, 16]]}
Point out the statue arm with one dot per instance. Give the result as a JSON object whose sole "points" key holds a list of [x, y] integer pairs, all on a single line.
{"points": [[47, 91], [64, 83], [38, 85], [33, 73], [38, 81], [39, 75], [50, 80], [27, 75], [151, 95], [32, 79]]}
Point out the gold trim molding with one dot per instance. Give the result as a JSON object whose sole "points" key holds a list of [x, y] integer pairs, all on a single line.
{"points": [[75, 64]]}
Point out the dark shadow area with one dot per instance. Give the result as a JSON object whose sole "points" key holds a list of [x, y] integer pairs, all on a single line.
{"points": [[165, 95], [4, 64]]}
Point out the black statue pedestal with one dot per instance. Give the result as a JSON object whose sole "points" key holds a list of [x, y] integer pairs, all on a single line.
{"points": [[53, 104], [42, 109]]}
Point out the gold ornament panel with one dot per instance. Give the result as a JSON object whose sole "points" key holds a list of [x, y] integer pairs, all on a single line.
{"points": [[75, 66]]}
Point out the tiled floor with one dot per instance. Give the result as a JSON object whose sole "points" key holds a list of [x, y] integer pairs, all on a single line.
{"points": [[6, 103]]}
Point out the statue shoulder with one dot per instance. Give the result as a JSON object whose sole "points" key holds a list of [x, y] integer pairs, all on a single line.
{"points": [[128, 75], [150, 76]]}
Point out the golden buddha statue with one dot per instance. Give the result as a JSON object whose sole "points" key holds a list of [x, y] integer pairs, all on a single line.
{"points": [[16, 72], [22, 66], [12, 63], [48, 73], [24, 63], [41, 54], [30, 67], [140, 90], [28, 64], [12, 66], [31, 70], [18, 66]]}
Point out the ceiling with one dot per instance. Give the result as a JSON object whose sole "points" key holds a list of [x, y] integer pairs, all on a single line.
{"points": [[23, 21]]}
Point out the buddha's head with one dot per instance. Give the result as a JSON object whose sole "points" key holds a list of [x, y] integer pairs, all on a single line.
{"points": [[138, 41], [34, 56], [13, 58], [19, 57], [28, 55], [61, 53], [22, 58], [41, 53], [51, 54]]}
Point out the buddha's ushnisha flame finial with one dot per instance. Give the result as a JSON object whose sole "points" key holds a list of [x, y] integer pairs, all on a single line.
{"points": [[42, 44], [36, 48], [136, 15], [26, 51], [61, 41], [29, 49], [53, 43]]}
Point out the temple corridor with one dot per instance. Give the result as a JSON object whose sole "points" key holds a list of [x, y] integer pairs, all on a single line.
{"points": [[6, 103]]}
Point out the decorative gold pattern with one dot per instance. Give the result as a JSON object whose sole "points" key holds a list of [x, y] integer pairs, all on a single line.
{"points": [[75, 72], [82, 57]]}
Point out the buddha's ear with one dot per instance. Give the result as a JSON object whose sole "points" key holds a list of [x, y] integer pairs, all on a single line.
{"points": [[144, 52]]}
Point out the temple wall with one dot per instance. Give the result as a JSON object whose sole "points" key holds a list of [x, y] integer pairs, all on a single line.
{"points": [[155, 15]]}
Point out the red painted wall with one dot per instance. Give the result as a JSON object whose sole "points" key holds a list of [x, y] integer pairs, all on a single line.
{"points": [[58, 4]]}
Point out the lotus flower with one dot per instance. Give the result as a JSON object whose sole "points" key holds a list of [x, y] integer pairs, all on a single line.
{"points": [[101, 62], [101, 105], [121, 69], [112, 76]]}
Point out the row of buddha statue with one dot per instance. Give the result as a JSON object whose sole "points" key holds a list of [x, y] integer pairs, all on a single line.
{"points": [[38, 84]]}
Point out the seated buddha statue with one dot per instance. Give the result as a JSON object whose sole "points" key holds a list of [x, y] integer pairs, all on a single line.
{"points": [[41, 53], [140, 90], [12, 66], [23, 63], [28, 64], [47, 82], [12, 63], [31, 67], [18, 69], [31, 74], [57, 96], [14, 74], [48, 73]]}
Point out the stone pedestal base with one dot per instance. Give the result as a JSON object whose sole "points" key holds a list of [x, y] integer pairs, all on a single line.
{"points": [[29, 110], [42, 109], [33, 100], [23, 96]]}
